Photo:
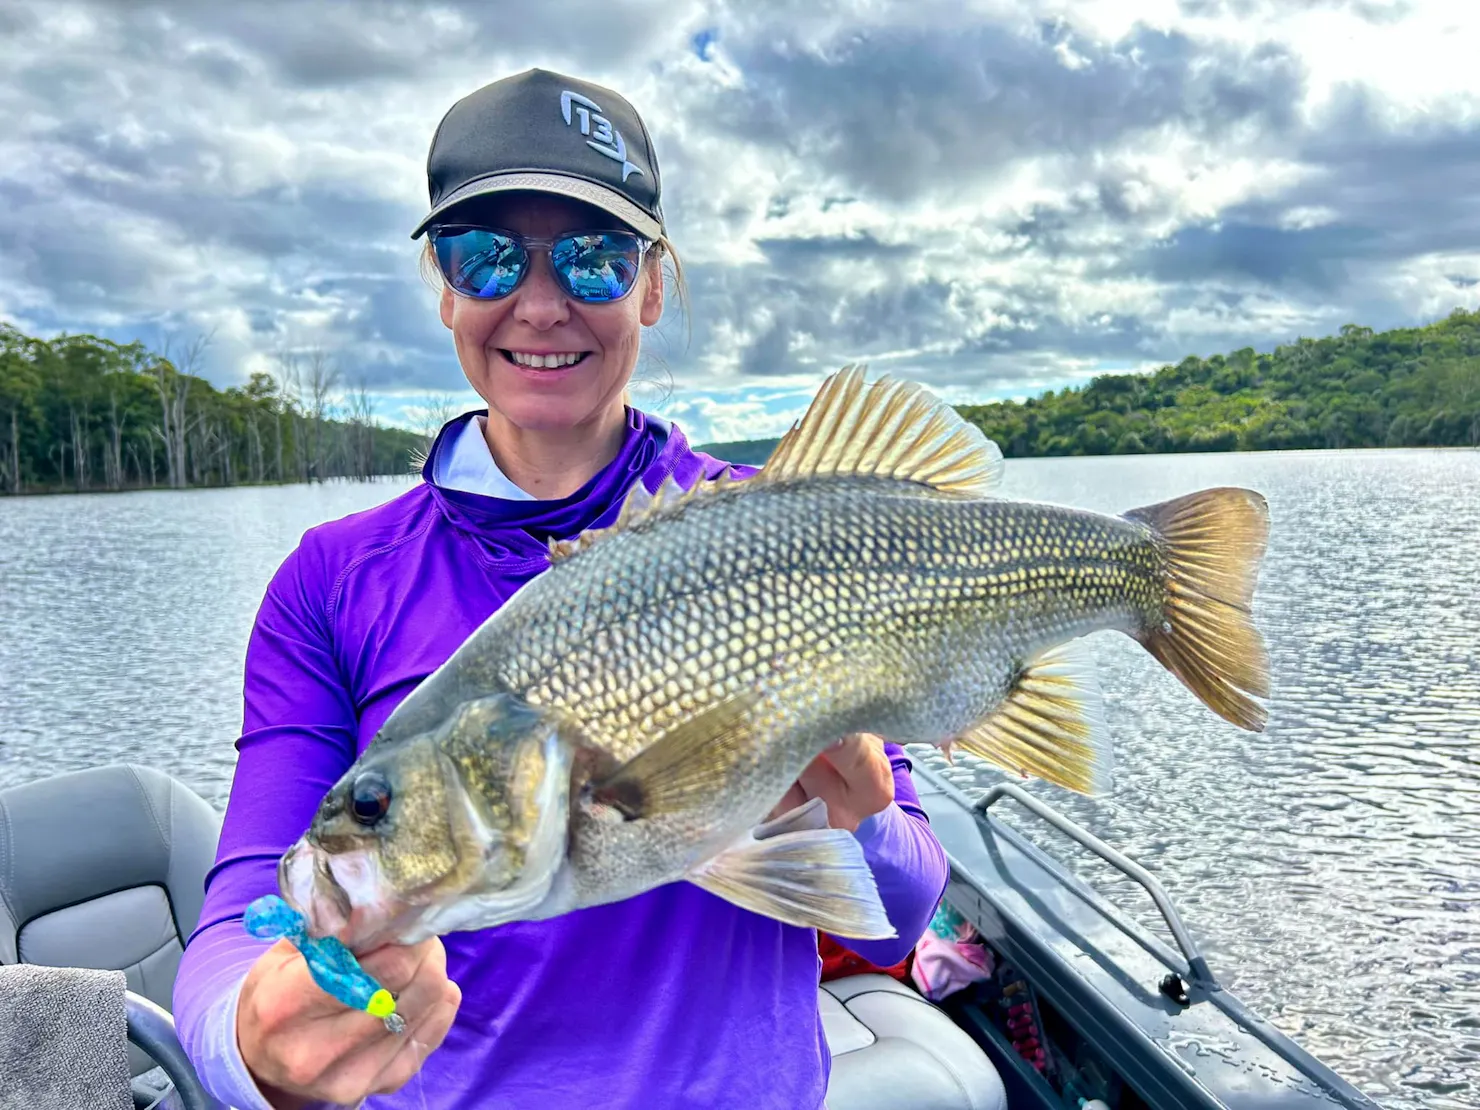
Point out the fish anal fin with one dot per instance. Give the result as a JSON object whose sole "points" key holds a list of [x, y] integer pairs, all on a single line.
{"points": [[1212, 542], [1051, 724], [678, 769], [887, 429], [812, 878]]}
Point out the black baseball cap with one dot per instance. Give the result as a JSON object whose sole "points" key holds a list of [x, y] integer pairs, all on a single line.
{"points": [[545, 132]]}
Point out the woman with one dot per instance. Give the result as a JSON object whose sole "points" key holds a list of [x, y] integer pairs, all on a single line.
{"points": [[673, 998]]}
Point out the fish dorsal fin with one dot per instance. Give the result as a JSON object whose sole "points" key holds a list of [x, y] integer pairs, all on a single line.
{"points": [[638, 504], [888, 429], [1051, 723]]}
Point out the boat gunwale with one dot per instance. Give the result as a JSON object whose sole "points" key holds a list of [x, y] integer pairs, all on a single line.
{"points": [[1094, 1014]]}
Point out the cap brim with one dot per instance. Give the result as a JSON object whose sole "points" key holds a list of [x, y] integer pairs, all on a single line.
{"points": [[576, 188]]}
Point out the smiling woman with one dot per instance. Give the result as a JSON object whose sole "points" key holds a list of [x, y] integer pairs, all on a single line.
{"points": [[546, 235], [552, 362]]}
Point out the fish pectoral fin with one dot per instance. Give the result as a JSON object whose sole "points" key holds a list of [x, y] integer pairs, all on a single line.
{"points": [[812, 878], [887, 429], [1051, 723], [684, 764]]}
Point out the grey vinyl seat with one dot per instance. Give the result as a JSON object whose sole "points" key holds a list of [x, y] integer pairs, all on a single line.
{"points": [[893, 1049], [105, 868]]}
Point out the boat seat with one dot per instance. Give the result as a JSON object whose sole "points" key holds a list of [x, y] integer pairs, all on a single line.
{"points": [[105, 868], [893, 1049]]}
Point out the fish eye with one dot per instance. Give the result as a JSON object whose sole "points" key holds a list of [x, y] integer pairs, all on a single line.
{"points": [[369, 798]]}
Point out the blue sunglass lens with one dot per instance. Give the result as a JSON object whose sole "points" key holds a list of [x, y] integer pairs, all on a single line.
{"points": [[595, 268], [479, 262], [598, 267]]}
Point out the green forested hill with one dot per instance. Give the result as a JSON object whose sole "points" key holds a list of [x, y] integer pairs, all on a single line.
{"points": [[82, 413], [1409, 387]]}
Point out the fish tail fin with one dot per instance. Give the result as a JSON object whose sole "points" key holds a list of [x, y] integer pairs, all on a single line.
{"points": [[1212, 542]]}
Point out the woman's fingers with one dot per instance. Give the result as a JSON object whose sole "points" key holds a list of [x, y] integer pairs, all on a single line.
{"points": [[853, 777], [854, 753], [380, 1061], [299, 1041], [794, 797], [396, 966], [423, 1036]]}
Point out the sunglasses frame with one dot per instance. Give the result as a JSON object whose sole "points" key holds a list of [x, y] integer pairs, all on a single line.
{"points": [[529, 244]]}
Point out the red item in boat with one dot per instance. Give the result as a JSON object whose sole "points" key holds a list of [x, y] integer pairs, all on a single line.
{"points": [[838, 961]]}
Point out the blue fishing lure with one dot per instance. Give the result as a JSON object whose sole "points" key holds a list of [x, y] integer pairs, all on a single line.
{"points": [[332, 965]]}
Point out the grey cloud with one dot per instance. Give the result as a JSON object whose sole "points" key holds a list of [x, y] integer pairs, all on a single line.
{"points": [[132, 175], [868, 110], [1311, 257], [336, 44], [1385, 195], [14, 20], [862, 249]]}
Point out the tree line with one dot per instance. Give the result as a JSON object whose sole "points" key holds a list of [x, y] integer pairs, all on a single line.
{"points": [[82, 413], [1410, 387]]}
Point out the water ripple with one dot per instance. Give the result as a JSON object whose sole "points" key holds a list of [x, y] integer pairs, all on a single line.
{"points": [[1329, 867]]}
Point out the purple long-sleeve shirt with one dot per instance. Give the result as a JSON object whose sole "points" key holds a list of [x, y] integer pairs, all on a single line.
{"points": [[672, 998]]}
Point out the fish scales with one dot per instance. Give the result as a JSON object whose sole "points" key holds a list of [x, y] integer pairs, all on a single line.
{"points": [[802, 574], [631, 717]]}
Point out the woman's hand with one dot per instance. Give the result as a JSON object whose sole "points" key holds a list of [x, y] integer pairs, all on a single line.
{"points": [[853, 777], [302, 1046]]}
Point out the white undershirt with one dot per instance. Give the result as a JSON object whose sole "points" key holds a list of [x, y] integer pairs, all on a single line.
{"points": [[468, 465]]}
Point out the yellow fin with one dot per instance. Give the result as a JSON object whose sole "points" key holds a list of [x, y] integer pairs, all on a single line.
{"points": [[1051, 724], [815, 878], [1213, 542], [689, 761], [888, 429]]}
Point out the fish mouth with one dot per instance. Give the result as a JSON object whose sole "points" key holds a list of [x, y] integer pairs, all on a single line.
{"points": [[339, 895]]}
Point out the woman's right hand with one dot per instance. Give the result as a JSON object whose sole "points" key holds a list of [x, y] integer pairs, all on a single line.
{"points": [[302, 1045]]}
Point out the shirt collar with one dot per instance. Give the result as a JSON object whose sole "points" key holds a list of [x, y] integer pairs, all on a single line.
{"points": [[469, 466]]}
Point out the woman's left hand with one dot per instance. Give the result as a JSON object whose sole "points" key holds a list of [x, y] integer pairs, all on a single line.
{"points": [[853, 777]]}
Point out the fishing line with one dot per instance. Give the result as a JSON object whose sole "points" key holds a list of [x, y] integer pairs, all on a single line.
{"points": [[426, 1051]]}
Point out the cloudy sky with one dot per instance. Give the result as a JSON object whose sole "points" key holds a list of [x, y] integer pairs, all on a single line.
{"points": [[994, 198]]}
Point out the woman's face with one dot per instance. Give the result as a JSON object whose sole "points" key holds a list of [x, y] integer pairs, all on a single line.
{"points": [[539, 319]]}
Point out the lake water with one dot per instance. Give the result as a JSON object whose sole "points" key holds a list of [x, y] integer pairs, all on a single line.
{"points": [[1330, 866]]}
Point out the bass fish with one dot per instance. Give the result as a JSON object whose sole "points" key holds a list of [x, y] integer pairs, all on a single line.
{"points": [[631, 716]]}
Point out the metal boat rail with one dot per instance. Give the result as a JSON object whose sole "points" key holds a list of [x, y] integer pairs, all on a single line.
{"points": [[1197, 966]]}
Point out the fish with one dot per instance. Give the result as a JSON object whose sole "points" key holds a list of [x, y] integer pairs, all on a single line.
{"points": [[633, 715]]}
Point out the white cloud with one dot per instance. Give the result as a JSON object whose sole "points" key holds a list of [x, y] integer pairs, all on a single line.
{"points": [[993, 198]]}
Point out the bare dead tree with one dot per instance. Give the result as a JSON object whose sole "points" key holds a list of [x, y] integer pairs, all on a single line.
{"points": [[360, 415], [436, 410], [321, 376], [174, 394], [79, 448], [255, 463], [291, 391], [113, 456]]}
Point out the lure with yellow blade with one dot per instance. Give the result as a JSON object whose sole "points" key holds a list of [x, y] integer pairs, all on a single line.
{"points": [[332, 965]]}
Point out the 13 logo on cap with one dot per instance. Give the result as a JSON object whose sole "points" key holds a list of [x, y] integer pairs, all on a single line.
{"points": [[604, 137]]}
